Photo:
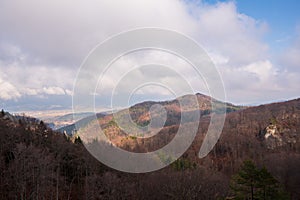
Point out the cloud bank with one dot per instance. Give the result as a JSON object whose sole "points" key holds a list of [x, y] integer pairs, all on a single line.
{"points": [[43, 43]]}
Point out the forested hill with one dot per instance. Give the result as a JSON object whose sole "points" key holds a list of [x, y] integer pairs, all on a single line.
{"points": [[38, 163]]}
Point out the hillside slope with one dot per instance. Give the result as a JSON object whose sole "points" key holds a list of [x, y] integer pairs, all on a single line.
{"points": [[37, 162], [268, 134]]}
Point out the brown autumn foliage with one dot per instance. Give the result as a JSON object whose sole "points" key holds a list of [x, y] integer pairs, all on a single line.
{"points": [[38, 163]]}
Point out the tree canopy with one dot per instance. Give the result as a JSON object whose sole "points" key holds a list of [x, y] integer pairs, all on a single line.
{"points": [[255, 184]]}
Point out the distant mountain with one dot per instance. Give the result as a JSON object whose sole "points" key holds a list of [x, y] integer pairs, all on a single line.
{"points": [[113, 124], [140, 112], [71, 129], [67, 119]]}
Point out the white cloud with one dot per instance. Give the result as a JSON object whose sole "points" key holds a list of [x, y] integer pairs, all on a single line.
{"points": [[68, 92], [8, 91], [222, 29], [218, 59], [31, 91], [131, 71], [34, 80], [54, 90], [263, 70], [290, 60], [64, 31], [43, 43], [19, 80]]}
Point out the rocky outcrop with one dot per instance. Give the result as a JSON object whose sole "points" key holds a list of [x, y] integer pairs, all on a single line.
{"points": [[280, 134]]}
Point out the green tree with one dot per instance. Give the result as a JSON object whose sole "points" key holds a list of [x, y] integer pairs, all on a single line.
{"points": [[253, 183], [244, 182], [268, 184]]}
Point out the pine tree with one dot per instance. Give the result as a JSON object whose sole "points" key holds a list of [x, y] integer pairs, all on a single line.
{"points": [[244, 183], [268, 184], [253, 183]]}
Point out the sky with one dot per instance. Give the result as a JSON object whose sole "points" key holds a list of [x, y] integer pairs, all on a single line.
{"points": [[255, 46]]}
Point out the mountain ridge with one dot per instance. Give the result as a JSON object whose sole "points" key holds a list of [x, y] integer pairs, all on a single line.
{"points": [[140, 115]]}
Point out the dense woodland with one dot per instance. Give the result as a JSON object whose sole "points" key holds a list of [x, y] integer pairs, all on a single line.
{"points": [[38, 163]]}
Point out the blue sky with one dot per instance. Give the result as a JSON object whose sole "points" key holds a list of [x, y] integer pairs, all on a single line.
{"points": [[254, 44], [282, 16]]}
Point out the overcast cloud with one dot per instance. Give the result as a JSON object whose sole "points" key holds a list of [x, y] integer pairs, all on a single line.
{"points": [[43, 43]]}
